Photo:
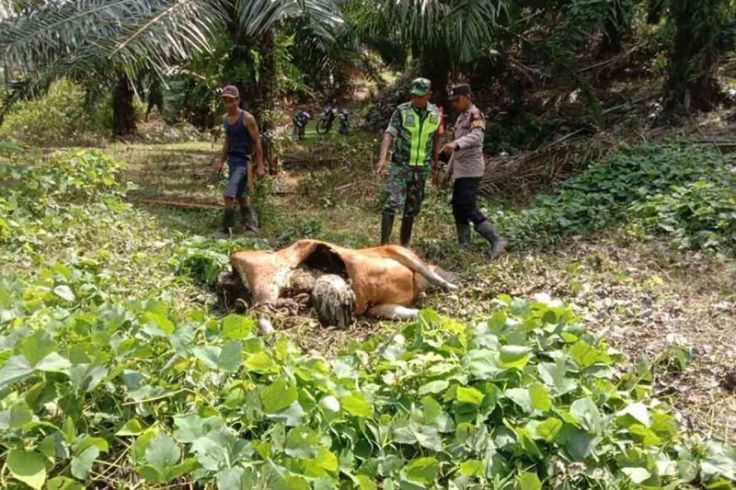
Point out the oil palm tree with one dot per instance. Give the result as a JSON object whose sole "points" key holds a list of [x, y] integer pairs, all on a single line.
{"points": [[441, 35], [46, 39]]}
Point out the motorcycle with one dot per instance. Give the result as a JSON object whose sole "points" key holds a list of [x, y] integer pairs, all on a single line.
{"points": [[328, 118], [300, 121], [344, 122]]}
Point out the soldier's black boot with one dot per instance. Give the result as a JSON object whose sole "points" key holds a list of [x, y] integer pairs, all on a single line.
{"points": [[498, 243], [463, 234], [228, 221], [387, 225], [249, 217], [407, 223]]}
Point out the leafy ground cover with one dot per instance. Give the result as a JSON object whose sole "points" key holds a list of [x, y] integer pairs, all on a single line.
{"points": [[685, 191], [115, 369]]}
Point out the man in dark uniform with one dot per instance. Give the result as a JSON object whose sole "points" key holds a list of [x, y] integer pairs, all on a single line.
{"points": [[466, 169], [413, 134], [241, 138]]}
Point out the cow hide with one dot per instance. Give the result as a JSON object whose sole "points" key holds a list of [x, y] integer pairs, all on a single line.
{"points": [[339, 283]]}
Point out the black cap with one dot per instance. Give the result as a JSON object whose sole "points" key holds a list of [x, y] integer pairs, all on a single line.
{"points": [[459, 90]]}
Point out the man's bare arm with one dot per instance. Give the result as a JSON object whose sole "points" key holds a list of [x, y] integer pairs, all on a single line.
{"points": [[252, 126], [388, 141]]}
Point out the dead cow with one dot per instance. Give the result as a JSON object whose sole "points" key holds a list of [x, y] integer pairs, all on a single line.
{"points": [[340, 283]]}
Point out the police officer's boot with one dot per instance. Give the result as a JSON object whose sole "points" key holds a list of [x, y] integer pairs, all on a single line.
{"points": [[228, 221], [463, 234], [498, 243], [387, 225], [406, 225], [249, 217]]}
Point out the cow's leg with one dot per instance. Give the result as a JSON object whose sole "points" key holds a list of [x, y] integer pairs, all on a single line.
{"points": [[393, 312]]}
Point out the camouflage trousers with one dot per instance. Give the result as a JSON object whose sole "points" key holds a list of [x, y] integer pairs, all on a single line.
{"points": [[405, 190]]}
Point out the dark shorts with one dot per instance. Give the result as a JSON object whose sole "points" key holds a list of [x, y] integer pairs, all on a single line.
{"points": [[464, 207], [237, 181]]}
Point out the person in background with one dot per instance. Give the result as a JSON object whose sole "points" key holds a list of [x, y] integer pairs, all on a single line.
{"points": [[466, 168], [242, 138], [412, 133]]}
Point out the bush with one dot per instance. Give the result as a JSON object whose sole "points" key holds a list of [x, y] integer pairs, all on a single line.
{"points": [[642, 183], [699, 215], [59, 118], [522, 397], [42, 194]]}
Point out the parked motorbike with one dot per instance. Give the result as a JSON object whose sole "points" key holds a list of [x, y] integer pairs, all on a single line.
{"points": [[324, 125], [344, 122], [300, 121]]}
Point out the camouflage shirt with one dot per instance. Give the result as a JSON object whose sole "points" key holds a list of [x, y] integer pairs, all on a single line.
{"points": [[414, 130]]}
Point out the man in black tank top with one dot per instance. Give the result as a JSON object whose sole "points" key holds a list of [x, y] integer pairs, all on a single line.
{"points": [[241, 138]]}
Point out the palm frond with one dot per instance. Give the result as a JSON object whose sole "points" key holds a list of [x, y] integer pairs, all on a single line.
{"points": [[463, 27], [78, 34]]}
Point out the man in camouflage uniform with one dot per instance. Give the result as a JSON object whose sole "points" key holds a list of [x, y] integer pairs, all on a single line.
{"points": [[413, 134], [466, 169]]}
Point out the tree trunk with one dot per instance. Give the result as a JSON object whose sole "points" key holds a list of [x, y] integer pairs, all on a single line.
{"points": [[266, 92], [691, 83], [435, 66], [123, 112]]}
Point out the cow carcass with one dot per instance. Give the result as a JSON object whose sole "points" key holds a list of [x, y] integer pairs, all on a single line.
{"points": [[339, 283]]}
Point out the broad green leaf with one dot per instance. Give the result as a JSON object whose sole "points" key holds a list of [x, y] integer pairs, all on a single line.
{"points": [[189, 428], [262, 363], [638, 411], [290, 482], [231, 356], [421, 434], [82, 463], [585, 354], [434, 387], [20, 415], [15, 369], [330, 403], [131, 428], [237, 327], [469, 395], [514, 356], [553, 376], [365, 483], [162, 325], [357, 406], [473, 467], [28, 467], [302, 442], [637, 475], [182, 339], [63, 483], [528, 481], [230, 479], [539, 397], [521, 397], [324, 463], [585, 411], [64, 292], [431, 409], [162, 452], [422, 470], [278, 395], [53, 362], [208, 354], [549, 428]]}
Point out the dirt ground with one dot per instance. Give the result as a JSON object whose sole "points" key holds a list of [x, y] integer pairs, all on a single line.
{"points": [[678, 309]]}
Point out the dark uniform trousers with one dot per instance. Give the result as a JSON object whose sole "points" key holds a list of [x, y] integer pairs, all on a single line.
{"points": [[464, 208]]}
